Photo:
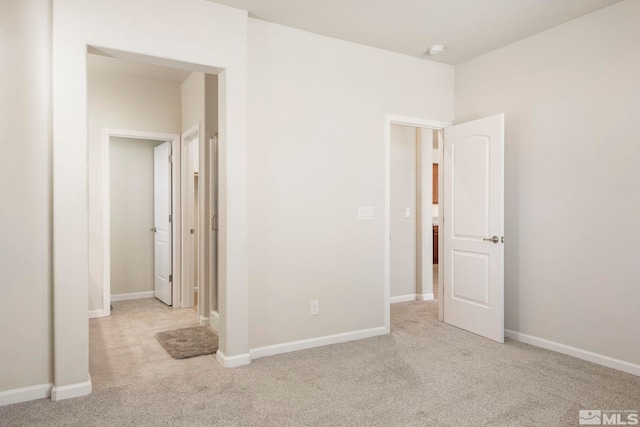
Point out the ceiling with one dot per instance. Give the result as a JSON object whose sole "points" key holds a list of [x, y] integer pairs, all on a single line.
{"points": [[468, 28], [97, 62]]}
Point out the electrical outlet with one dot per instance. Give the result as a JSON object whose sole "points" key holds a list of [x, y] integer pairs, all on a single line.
{"points": [[407, 212], [315, 307]]}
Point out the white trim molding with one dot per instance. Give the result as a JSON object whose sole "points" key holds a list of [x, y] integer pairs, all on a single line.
{"points": [[204, 321], [589, 356], [99, 313], [24, 394], [402, 298], [412, 297], [132, 295], [72, 390], [288, 347], [232, 361]]}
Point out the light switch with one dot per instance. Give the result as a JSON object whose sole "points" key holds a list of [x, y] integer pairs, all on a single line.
{"points": [[365, 213], [407, 212]]}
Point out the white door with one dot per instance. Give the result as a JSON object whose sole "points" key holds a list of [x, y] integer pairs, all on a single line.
{"points": [[162, 222], [474, 226], [190, 161]]}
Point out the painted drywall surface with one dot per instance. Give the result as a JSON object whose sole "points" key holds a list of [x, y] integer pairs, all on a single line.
{"points": [[571, 97], [25, 190], [216, 37], [192, 95], [208, 300], [200, 107], [211, 105], [403, 196], [120, 102], [193, 115], [131, 179], [316, 129]]}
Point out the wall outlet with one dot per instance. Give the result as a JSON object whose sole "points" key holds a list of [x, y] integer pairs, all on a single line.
{"points": [[407, 212], [314, 307]]}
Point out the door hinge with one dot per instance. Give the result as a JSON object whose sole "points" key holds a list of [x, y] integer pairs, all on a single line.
{"points": [[214, 223], [171, 277], [170, 218], [170, 158]]}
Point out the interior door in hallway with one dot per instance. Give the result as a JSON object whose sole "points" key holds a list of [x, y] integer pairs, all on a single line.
{"points": [[162, 222], [474, 226]]}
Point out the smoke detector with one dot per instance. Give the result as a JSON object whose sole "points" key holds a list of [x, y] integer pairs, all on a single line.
{"points": [[436, 49]]}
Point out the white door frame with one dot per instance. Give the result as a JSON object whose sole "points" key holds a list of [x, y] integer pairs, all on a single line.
{"points": [[186, 298], [107, 134], [389, 120]]}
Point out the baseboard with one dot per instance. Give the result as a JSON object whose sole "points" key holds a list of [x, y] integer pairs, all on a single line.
{"points": [[403, 298], [204, 321], [98, 313], [589, 356], [425, 297], [287, 347], [233, 361], [24, 394], [132, 295], [72, 390], [214, 320]]}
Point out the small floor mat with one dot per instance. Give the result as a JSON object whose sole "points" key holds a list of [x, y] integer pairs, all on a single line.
{"points": [[189, 342]]}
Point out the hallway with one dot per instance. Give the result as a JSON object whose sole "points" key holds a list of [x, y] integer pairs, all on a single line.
{"points": [[123, 349]]}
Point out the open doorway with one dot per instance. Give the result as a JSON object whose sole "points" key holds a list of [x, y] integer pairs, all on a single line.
{"points": [[413, 211], [436, 209], [132, 217], [471, 282], [138, 244], [189, 204], [154, 239]]}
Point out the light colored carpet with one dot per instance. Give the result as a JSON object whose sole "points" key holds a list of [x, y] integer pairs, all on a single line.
{"points": [[188, 342], [424, 373]]}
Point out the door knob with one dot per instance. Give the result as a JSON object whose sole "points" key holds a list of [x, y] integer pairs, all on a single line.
{"points": [[494, 239], [154, 229]]}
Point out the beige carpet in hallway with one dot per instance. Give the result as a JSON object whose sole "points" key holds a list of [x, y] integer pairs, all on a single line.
{"points": [[424, 373]]}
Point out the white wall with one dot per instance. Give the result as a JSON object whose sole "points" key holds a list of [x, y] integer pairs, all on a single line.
{"points": [[316, 129], [25, 191], [193, 101], [131, 185], [193, 114], [185, 32], [208, 202], [120, 102], [571, 97], [403, 195]]}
